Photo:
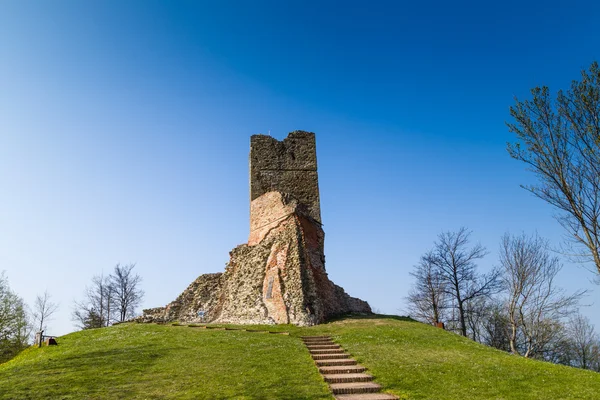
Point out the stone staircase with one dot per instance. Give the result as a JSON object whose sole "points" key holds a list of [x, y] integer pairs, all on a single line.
{"points": [[347, 379]]}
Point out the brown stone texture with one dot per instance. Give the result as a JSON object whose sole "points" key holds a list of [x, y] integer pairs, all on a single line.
{"points": [[287, 166], [279, 276], [198, 297], [266, 212]]}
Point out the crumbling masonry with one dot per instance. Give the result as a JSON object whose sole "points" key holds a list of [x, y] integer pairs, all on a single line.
{"points": [[279, 276]]}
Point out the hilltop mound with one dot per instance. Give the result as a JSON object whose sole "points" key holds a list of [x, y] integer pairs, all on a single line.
{"points": [[410, 359]]}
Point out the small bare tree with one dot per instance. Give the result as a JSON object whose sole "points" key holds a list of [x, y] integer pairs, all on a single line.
{"points": [[496, 327], [127, 293], [109, 299], [427, 299], [595, 361], [456, 265], [477, 313], [585, 343], [43, 310], [535, 305], [95, 310], [101, 294]]}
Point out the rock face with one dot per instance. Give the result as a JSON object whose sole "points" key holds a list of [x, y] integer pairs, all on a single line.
{"points": [[279, 276]]}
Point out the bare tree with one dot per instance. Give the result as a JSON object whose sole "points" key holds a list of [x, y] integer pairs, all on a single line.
{"points": [[560, 141], [127, 293], [102, 295], [585, 343], [95, 310], [556, 346], [455, 263], [427, 299], [496, 327], [86, 317], [476, 313], [595, 361], [535, 305], [109, 299], [43, 309]]}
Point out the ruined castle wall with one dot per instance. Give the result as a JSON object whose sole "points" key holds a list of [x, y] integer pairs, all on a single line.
{"points": [[287, 166], [264, 282], [197, 303]]}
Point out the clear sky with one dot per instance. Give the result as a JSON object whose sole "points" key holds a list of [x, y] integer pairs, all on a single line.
{"points": [[125, 128]]}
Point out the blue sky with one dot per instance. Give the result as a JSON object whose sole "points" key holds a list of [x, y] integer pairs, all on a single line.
{"points": [[125, 127]]}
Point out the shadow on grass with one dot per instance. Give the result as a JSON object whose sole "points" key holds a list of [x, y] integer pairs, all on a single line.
{"points": [[105, 364], [143, 354]]}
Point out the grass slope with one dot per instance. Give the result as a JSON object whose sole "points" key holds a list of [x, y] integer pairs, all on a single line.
{"points": [[410, 359], [135, 361]]}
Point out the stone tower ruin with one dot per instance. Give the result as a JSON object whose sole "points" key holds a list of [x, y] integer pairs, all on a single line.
{"points": [[279, 276], [289, 166]]}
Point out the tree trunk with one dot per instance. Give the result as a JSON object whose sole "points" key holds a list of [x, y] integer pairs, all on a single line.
{"points": [[461, 316], [436, 315], [513, 338]]}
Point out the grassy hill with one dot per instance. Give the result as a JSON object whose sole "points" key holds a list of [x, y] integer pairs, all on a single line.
{"points": [[410, 359]]}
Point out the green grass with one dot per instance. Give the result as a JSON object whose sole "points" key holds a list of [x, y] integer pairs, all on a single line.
{"points": [[135, 361], [410, 359]]}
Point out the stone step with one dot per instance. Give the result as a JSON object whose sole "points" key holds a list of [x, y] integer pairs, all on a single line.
{"points": [[355, 387], [342, 369], [366, 396], [336, 362], [347, 378], [330, 356], [326, 351], [315, 337], [323, 346]]}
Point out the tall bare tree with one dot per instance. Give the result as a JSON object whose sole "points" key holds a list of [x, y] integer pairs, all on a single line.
{"points": [[43, 310], [427, 299], [560, 141], [535, 305], [456, 265], [127, 293]]}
